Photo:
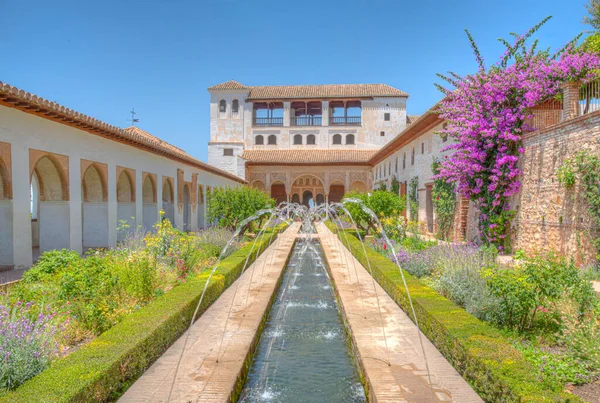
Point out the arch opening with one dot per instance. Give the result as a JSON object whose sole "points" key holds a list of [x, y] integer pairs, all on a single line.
{"points": [[94, 209]]}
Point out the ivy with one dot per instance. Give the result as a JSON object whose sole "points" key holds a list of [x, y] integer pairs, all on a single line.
{"points": [[413, 198], [586, 166], [395, 188], [444, 201]]}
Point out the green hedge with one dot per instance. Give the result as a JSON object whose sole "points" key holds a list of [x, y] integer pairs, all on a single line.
{"points": [[478, 351], [105, 368]]}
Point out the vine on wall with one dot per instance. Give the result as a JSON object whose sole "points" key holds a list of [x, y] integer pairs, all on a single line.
{"points": [[444, 201], [586, 166], [395, 188], [413, 198]]}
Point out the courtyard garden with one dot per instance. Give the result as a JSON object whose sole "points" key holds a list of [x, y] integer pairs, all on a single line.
{"points": [[66, 301]]}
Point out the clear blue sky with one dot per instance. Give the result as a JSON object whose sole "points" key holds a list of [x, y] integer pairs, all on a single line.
{"points": [[159, 56]]}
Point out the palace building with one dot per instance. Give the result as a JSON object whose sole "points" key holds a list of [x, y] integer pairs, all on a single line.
{"points": [[303, 142]]}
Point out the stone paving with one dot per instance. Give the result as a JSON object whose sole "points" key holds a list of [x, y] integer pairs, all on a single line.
{"points": [[367, 306], [201, 377]]}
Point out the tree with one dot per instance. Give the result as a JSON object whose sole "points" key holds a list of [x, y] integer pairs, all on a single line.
{"points": [[593, 8], [486, 115], [381, 202], [227, 207], [444, 201]]}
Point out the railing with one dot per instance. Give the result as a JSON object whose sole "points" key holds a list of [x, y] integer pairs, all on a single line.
{"points": [[546, 114], [589, 97], [345, 120], [305, 121], [267, 122]]}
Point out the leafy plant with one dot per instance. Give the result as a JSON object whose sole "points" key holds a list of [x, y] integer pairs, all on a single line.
{"points": [[49, 263], [413, 199], [27, 345], [395, 187], [444, 201], [229, 206], [536, 285], [381, 202]]}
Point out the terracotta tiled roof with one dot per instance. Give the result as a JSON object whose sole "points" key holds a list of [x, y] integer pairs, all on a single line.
{"points": [[325, 91], [24, 101], [229, 85], [313, 91], [308, 156]]}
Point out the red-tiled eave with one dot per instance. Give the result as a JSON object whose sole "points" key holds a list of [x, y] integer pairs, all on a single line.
{"points": [[310, 157], [424, 123], [24, 101]]}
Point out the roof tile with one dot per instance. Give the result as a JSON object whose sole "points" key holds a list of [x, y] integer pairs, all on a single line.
{"points": [[308, 156]]}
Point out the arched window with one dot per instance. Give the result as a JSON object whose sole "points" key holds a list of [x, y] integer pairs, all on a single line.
{"points": [[259, 140], [235, 106], [311, 139], [272, 139], [297, 139], [404, 161], [222, 106], [337, 139], [350, 139], [412, 157]]}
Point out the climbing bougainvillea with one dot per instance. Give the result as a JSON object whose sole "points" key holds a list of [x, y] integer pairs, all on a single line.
{"points": [[486, 115]]}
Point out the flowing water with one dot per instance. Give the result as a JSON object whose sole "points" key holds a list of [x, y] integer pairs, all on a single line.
{"points": [[303, 354]]}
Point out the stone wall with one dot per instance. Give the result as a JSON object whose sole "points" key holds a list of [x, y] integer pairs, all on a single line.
{"points": [[550, 217]]}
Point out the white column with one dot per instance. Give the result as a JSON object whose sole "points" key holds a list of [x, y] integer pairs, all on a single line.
{"points": [[139, 199], [286, 113], [22, 252], [177, 215], [112, 205], [325, 111], [75, 204]]}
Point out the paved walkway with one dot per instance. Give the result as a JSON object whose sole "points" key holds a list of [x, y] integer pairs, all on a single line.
{"points": [[200, 377], [405, 380], [596, 285]]}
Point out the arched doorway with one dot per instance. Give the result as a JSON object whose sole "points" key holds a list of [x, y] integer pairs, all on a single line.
{"points": [[149, 202], [296, 198], [258, 185], [125, 205], [49, 206], [307, 198], [308, 184], [320, 199], [94, 207], [200, 207], [278, 192], [187, 213], [358, 186], [168, 199], [336, 192]]}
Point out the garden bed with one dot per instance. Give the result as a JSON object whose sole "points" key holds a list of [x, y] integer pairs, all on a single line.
{"points": [[103, 369], [478, 351]]}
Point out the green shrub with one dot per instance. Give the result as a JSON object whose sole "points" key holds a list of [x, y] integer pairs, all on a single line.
{"points": [[227, 207], [103, 369], [535, 285], [49, 263], [480, 353], [381, 202]]}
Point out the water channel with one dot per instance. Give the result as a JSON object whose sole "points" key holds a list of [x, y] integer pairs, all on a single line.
{"points": [[304, 354]]}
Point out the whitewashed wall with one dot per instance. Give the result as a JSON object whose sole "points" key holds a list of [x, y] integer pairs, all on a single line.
{"points": [[61, 223]]}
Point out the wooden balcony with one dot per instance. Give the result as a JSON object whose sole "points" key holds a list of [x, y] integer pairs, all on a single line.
{"points": [[306, 121], [267, 122], [345, 121]]}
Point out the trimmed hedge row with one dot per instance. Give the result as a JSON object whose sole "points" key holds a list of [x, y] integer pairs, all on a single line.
{"points": [[478, 351], [105, 368]]}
